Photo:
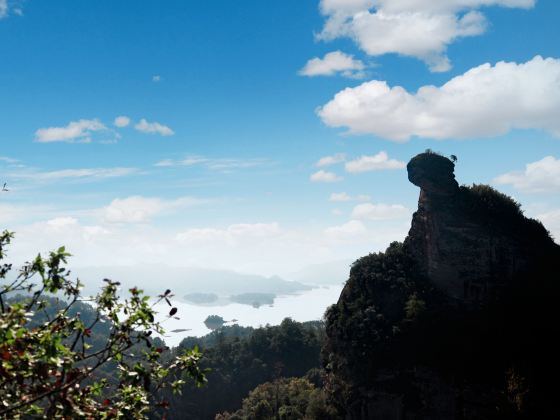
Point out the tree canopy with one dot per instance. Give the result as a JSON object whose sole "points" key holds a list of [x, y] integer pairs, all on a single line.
{"points": [[51, 355]]}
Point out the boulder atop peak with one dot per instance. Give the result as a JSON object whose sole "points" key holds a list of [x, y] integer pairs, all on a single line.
{"points": [[433, 173]]}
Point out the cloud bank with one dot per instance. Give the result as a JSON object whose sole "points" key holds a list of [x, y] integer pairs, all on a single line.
{"points": [[486, 101], [138, 209], [542, 176], [416, 28]]}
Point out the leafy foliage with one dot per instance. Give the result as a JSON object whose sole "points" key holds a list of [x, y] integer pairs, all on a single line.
{"points": [[499, 213], [382, 296], [285, 399], [49, 362], [393, 333], [241, 358]]}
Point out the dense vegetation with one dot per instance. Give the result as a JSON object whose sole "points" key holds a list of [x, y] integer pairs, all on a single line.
{"points": [[284, 399], [399, 346], [396, 324], [384, 299], [499, 212], [241, 358]]}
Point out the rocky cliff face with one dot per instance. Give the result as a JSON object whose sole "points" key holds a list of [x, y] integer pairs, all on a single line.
{"points": [[470, 242], [456, 322]]}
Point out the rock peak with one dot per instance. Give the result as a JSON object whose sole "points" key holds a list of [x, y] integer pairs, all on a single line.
{"points": [[433, 173]]}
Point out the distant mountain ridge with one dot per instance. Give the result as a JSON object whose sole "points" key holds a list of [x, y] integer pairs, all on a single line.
{"points": [[459, 321], [155, 278]]}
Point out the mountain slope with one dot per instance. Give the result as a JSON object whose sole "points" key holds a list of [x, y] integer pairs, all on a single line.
{"points": [[458, 321]]}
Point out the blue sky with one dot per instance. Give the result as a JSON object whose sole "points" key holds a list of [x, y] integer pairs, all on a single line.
{"points": [[229, 107]]}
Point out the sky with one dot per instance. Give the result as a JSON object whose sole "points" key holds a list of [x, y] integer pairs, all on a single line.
{"points": [[264, 136]]}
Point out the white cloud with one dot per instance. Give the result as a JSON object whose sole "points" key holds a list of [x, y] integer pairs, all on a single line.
{"points": [[369, 211], [542, 176], [121, 121], [93, 173], [551, 221], [350, 230], [230, 164], [324, 176], [483, 102], [416, 28], [214, 164], [165, 163], [339, 197], [9, 212], [259, 248], [156, 78], [76, 131], [138, 209], [62, 222], [331, 160], [377, 162], [9, 160], [333, 63], [3, 8], [153, 128], [232, 233]]}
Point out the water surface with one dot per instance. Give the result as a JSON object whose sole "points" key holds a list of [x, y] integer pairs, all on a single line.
{"points": [[307, 306]]}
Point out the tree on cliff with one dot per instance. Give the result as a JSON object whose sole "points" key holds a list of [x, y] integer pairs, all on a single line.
{"points": [[49, 364]]}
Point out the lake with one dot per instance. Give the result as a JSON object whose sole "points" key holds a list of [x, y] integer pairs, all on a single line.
{"points": [[306, 306]]}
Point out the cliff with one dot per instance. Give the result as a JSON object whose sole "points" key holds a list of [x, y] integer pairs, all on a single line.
{"points": [[458, 321]]}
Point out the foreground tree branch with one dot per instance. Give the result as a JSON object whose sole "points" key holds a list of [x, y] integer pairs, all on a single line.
{"points": [[45, 372]]}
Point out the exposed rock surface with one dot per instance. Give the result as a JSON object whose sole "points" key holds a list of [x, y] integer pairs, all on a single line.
{"points": [[458, 322], [470, 242]]}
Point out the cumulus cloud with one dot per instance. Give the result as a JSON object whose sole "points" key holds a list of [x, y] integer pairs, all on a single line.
{"points": [[138, 209], [377, 162], [416, 28], [331, 160], [334, 63], [369, 211], [75, 132], [350, 230], [542, 176], [121, 121], [156, 78], [324, 176], [68, 226], [153, 128], [483, 102], [551, 221]]}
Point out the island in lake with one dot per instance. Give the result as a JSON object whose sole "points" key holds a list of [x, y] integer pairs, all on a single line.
{"points": [[254, 299]]}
